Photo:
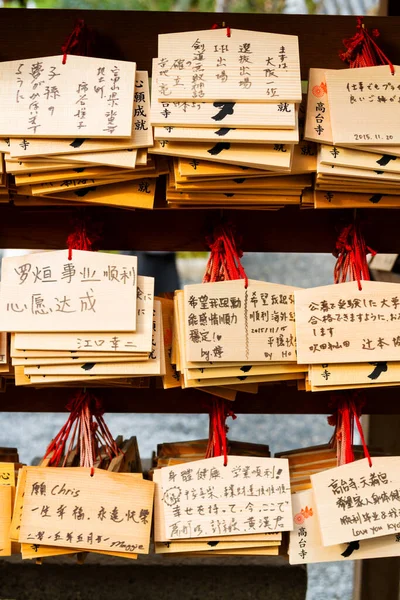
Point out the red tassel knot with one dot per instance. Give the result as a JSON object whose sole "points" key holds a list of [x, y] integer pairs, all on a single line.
{"points": [[351, 253], [348, 412], [362, 50]]}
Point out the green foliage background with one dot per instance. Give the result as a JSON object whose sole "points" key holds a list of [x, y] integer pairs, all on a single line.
{"points": [[257, 6]]}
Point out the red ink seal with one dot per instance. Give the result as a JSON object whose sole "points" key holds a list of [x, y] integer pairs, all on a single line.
{"points": [[318, 91]]}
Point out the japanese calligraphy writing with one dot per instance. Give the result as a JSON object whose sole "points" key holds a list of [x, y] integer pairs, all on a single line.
{"points": [[67, 507], [41, 291], [224, 321], [364, 109], [149, 364], [139, 341], [43, 97], [318, 119], [7, 474], [356, 501], [339, 323], [305, 540], [196, 112], [141, 133], [204, 498], [249, 65]]}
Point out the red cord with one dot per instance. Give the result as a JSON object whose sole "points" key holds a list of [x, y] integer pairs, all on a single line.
{"points": [[347, 412], [362, 50], [217, 441], [86, 429], [81, 239], [351, 253], [218, 26], [79, 41], [224, 261]]}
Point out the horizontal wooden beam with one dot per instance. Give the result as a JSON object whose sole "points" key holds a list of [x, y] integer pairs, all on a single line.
{"points": [[132, 35], [287, 230], [274, 399]]}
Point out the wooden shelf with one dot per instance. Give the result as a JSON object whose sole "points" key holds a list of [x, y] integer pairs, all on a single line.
{"points": [[287, 230], [274, 399]]}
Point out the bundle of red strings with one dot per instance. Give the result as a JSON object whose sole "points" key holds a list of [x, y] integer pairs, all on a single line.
{"points": [[217, 443], [223, 265], [84, 430], [351, 249], [347, 413], [79, 42], [224, 261], [362, 50], [83, 237], [351, 253]]}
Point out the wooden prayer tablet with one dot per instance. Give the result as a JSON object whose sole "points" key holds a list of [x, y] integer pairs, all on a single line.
{"points": [[138, 341], [124, 159], [109, 511], [393, 150], [77, 183], [151, 365], [230, 134], [364, 105], [5, 519], [48, 292], [5, 145], [356, 501], [67, 174], [280, 182], [3, 348], [171, 379], [318, 118], [7, 474], [188, 490], [159, 526], [248, 66], [342, 324], [128, 194], [36, 551], [224, 321], [141, 134], [86, 97], [266, 551], [352, 173], [354, 373], [18, 505], [275, 157], [220, 114], [383, 262], [328, 198], [196, 168], [79, 360], [237, 371], [44, 165], [241, 380], [204, 546], [357, 159], [305, 544]]}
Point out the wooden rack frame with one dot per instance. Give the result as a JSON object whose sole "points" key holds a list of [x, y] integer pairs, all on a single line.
{"points": [[130, 35]]}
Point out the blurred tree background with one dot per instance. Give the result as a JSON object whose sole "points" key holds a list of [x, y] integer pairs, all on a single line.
{"points": [[352, 7]]}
